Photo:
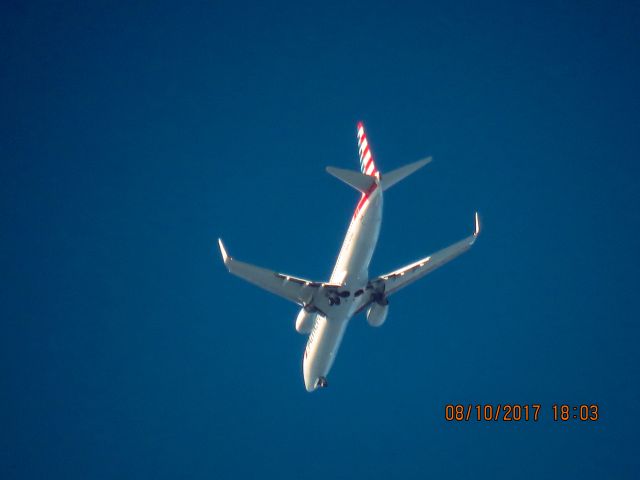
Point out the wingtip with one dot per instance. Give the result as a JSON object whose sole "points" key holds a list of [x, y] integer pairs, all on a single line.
{"points": [[223, 251], [477, 230]]}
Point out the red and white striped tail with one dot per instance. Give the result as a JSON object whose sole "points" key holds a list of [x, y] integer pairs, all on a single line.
{"points": [[367, 165]]}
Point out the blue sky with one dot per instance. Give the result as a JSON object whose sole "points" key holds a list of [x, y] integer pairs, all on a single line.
{"points": [[133, 136]]}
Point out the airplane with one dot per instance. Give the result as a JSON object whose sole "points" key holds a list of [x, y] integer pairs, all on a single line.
{"points": [[327, 307]]}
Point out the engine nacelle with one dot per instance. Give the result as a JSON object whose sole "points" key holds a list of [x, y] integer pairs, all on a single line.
{"points": [[377, 314], [305, 321]]}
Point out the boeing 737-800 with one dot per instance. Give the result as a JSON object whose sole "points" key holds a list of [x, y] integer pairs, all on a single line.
{"points": [[327, 307]]}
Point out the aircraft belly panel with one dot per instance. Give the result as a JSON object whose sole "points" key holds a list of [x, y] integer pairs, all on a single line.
{"points": [[361, 240], [322, 349]]}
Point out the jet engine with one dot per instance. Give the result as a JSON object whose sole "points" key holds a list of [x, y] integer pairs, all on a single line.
{"points": [[377, 314], [305, 321]]}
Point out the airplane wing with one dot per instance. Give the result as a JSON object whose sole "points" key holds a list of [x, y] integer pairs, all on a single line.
{"points": [[394, 281], [297, 290]]}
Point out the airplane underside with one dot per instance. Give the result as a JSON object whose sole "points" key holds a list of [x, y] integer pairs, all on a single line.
{"points": [[327, 307]]}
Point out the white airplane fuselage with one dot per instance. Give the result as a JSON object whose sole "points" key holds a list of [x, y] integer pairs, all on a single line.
{"points": [[352, 272], [327, 307]]}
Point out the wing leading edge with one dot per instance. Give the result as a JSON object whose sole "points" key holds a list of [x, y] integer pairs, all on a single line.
{"points": [[294, 289], [402, 277]]}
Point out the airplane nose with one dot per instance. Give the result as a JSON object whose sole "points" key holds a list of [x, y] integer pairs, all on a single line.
{"points": [[309, 385], [309, 380]]}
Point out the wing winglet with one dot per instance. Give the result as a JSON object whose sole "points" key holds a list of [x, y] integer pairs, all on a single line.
{"points": [[223, 251], [477, 230]]}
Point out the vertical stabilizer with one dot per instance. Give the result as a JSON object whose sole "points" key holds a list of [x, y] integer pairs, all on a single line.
{"points": [[367, 165]]}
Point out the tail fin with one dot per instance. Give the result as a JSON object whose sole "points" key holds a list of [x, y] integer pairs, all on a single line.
{"points": [[367, 165]]}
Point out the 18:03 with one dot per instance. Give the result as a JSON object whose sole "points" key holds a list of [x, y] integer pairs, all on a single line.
{"points": [[584, 413]]}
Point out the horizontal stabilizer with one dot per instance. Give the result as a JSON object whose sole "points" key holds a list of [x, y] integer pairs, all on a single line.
{"points": [[388, 180], [357, 180]]}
